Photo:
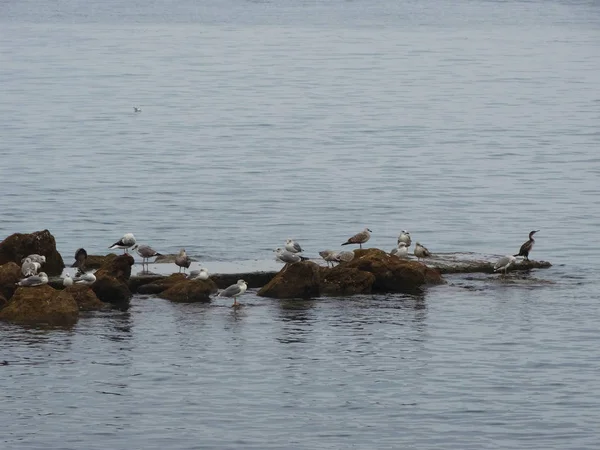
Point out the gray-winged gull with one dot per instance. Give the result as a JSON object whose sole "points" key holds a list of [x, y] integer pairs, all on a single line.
{"points": [[504, 263], [125, 243], [401, 251], [359, 238], [404, 236], [421, 251], [183, 260], [146, 252], [201, 274], [292, 246], [235, 290], [35, 280]]}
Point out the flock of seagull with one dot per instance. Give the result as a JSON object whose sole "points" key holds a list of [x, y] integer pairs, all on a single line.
{"points": [[289, 254]]}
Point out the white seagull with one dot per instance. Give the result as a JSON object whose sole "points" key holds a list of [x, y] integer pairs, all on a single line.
{"points": [[67, 280], [401, 251], [201, 274], [421, 251], [235, 290], [125, 243], [86, 278], [35, 280], [292, 246], [29, 268], [405, 237], [504, 263]]}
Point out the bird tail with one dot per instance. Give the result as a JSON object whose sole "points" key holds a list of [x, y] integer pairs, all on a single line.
{"points": [[518, 254], [347, 242], [303, 258]]}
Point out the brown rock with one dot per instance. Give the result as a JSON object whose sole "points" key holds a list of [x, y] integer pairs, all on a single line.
{"points": [[190, 291], [298, 280], [110, 289], [136, 282], [10, 274], [158, 286], [17, 246], [118, 267], [342, 280], [41, 305], [3, 301], [97, 261], [393, 274], [86, 298]]}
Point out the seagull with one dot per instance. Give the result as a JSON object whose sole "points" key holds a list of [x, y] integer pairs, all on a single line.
{"points": [[292, 246], [421, 252], [504, 263], [136, 109], [40, 259], [401, 251], [67, 280], [359, 238], [527, 246], [145, 251], [85, 278], [345, 256], [35, 280], [29, 268], [80, 260], [183, 260], [329, 256], [235, 290], [405, 237], [287, 257], [201, 274], [126, 242]]}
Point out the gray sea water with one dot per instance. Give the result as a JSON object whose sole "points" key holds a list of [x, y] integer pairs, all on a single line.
{"points": [[468, 123]]}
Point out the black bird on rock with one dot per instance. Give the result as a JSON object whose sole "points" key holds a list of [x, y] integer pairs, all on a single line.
{"points": [[527, 246]]}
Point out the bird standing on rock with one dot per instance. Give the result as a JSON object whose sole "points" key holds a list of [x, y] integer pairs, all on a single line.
{"points": [[404, 237], [85, 278], [504, 263], [287, 257], [359, 238], [401, 251], [421, 251], [183, 260], [527, 246], [125, 243], [292, 246]]}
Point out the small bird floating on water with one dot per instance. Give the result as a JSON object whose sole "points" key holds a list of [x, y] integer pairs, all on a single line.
{"points": [[125, 243], [292, 246], [504, 263], [359, 238], [235, 290], [137, 109], [183, 260], [405, 237], [421, 251], [527, 246]]}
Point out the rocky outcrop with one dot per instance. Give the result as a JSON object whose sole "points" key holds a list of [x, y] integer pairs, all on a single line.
{"points": [[97, 261], [41, 305], [164, 283], [86, 298], [3, 301], [190, 291], [17, 246], [342, 280], [393, 274], [111, 285], [10, 274], [448, 263], [299, 280]]}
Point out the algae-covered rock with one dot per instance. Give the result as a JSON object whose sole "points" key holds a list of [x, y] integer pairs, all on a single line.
{"points": [[118, 267], [190, 291], [86, 298], [164, 283], [3, 301], [298, 280], [110, 289], [41, 305], [10, 274], [342, 280], [19, 245], [97, 261]]}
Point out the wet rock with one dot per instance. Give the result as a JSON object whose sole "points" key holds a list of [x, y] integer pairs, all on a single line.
{"points": [[164, 259], [41, 305], [477, 263], [190, 291], [86, 298], [110, 289], [17, 246], [162, 284], [299, 280], [3, 301], [342, 280], [97, 261], [254, 280], [10, 274], [118, 267], [136, 282], [393, 274]]}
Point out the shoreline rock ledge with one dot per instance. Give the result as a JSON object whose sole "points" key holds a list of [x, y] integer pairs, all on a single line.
{"points": [[371, 270]]}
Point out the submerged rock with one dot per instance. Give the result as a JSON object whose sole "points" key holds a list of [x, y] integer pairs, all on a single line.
{"points": [[111, 284], [298, 280], [19, 245], [10, 274], [162, 284], [41, 305], [448, 263]]}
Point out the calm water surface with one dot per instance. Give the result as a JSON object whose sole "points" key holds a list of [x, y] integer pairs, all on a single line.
{"points": [[468, 124]]}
